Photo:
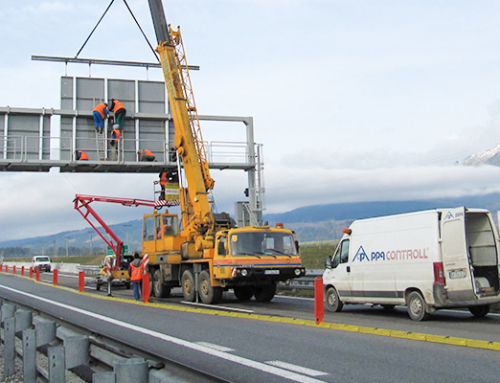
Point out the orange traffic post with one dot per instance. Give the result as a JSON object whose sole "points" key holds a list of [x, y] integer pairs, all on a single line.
{"points": [[31, 272], [81, 280], [22, 271], [37, 274], [7, 269], [14, 269], [55, 274], [145, 288], [1, 268], [319, 305]]}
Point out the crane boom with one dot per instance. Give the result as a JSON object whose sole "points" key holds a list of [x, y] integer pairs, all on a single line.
{"points": [[197, 216]]}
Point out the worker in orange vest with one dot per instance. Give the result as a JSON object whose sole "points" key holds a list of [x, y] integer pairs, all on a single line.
{"points": [[136, 272], [81, 156], [120, 111], [100, 113], [114, 141], [146, 155]]}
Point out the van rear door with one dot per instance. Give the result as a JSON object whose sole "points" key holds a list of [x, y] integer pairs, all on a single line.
{"points": [[455, 257]]}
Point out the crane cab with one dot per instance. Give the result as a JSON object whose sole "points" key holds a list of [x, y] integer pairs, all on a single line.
{"points": [[160, 237]]}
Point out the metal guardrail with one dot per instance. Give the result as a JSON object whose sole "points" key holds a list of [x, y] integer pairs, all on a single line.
{"points": [[304, 283], [49, 347]]}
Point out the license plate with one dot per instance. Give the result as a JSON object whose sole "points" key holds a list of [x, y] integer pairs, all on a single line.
{"points": [[271, 272], [457, 274]]}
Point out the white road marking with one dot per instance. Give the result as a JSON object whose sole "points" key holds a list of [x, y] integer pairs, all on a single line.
{"points": [[217, 307], [180, 342], [215, 346], [299, 369]]}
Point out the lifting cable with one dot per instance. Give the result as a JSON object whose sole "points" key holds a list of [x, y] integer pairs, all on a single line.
{"points": [[133, 16], [88, 38]]}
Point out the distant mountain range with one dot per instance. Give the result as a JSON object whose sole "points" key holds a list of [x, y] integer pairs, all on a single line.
{"points": [[484, 157], [311, 223]]}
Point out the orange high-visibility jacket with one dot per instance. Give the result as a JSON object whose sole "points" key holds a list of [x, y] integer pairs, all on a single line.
{"points": [[117, 105], [137, 272], [100, 108]]}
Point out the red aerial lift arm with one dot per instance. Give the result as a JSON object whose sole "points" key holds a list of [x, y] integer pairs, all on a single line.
{"points": [[83, 201]]}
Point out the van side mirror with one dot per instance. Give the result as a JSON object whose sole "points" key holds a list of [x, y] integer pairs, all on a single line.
{"points": [[297, 247], [328, 262]]}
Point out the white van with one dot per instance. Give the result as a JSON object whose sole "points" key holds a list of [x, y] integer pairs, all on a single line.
{"points": [[426, 260], [41, 262]]}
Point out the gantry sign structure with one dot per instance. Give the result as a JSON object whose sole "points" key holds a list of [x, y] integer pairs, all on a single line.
{"points": [[41, 139]]}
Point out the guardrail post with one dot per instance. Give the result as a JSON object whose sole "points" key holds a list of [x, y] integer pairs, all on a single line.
{"points": [[56, 364], [14, 269], [319, 304], [29, 355], [45, 332], [38, 274], [23, 320], [8, 311], [131, 370], [76, 350], [1, 268], [81, 281], [6, 269], [31, 272], [55, 275], [22, 271], [146, 293], [9, 347]]}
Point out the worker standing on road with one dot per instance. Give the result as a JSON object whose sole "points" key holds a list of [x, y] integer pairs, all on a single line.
{"points": [[100, 113], [136, 272], [120, 112], [114, 142]]}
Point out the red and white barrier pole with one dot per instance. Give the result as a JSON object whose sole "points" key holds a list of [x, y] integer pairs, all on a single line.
{"points": [[81, 280], [319, 305], [145, 288]]}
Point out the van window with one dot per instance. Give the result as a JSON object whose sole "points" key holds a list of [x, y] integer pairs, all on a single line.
{"points": [[344, 255]]}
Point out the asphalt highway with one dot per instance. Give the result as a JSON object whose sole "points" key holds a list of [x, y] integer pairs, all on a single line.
{"points": [[248, 342]]}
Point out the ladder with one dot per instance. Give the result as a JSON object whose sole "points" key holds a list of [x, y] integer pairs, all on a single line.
{"points": [[100, 142]]}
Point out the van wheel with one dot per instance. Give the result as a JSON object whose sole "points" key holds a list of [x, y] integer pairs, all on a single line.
{"points": [[187, 282], [333, 302], [479, 311], [417, 308], [208, 293]]}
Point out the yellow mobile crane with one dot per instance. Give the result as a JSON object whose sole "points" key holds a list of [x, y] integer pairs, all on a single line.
{"points": [[207, 253]]}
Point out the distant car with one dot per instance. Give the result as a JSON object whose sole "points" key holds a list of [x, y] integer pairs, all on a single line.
{"points": [[41, 262]]}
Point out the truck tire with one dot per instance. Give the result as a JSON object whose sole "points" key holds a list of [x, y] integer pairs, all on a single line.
{"points": [[333, 302], [417, 308], [187, 282], [265, 293], [208, 293], [159, 289], [479, 311], [243, 293]]}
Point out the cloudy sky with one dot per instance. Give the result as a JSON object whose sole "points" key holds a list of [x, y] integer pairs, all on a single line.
{"points": [[353, 100]]}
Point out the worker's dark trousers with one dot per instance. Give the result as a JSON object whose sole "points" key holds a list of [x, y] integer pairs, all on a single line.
{"points": [[120, 118]]}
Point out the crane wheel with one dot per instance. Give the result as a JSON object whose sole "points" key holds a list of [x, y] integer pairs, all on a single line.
{"points": [[188, 288], [208, 293]]}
